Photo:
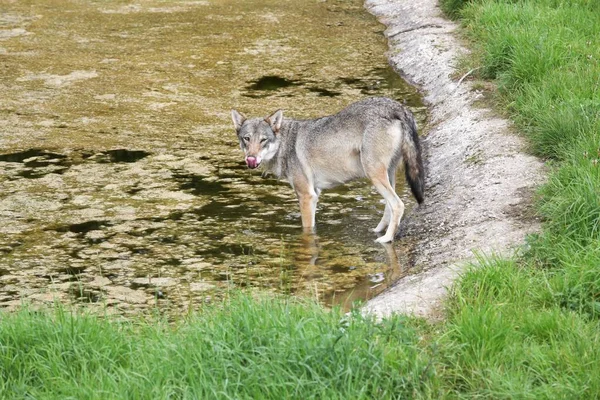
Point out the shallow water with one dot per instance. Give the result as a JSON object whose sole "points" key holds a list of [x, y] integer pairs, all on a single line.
{"points": [[122, 180]]}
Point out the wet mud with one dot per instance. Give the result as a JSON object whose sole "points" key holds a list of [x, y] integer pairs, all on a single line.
{"points": [[123, 186]]}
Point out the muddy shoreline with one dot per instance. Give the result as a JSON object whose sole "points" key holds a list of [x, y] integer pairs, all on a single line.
{"points": [[480, 180]]}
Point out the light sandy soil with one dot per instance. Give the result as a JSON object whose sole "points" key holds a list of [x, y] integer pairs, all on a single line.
{"points": [[480, 180]]}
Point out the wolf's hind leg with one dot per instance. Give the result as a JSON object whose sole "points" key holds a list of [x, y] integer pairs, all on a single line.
{"points": [[381, 181], [385, 220]]}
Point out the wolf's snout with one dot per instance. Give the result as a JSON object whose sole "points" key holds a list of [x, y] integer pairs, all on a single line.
{"points": [[252, 162]]}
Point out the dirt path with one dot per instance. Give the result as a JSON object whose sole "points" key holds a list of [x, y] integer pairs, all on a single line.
{"points": [[480, 181]]}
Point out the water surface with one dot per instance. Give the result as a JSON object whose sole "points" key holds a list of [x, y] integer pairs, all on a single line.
{"points": [[122, 181]]}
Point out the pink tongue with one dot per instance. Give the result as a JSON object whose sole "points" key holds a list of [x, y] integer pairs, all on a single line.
{"points": [[251, 161]]}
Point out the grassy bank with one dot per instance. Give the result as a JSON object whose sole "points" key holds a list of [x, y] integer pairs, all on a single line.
{"points": [[529, 328], [245, 348]]}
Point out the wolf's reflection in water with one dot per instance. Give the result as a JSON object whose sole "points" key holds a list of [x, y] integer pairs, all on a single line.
{"points": [[310, 266]]}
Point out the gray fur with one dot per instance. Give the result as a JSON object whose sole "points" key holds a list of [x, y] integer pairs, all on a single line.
{"points": [[366, 139]]}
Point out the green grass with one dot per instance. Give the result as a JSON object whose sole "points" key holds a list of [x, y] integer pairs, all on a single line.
{"points": [[530, 327], [509, 335], [245, 348]]}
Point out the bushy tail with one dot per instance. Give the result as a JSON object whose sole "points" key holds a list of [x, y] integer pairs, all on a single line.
{"points": [[413, 163]]}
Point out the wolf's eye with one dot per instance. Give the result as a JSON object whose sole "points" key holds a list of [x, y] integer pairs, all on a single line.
{"points": [[246, 138], [262, 141]]}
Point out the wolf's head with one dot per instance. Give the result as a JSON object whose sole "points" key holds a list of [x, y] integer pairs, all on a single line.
{"points": [[259, 137]]}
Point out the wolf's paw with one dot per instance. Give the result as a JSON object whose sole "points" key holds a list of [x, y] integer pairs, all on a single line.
{"points": [[384, 239]]}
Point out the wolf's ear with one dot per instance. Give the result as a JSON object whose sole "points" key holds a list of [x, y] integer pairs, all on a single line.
{"points": [[275, 120], [238, 119]]}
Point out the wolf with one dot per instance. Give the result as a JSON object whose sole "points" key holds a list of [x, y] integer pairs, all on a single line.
{"points": [[367, 139]]}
